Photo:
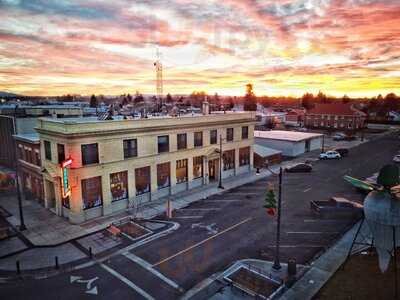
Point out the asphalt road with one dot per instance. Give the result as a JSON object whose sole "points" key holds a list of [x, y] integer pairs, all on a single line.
{"points": [[218, 231]]}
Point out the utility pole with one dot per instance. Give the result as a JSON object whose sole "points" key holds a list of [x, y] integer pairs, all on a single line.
{"points": [[159, 77], [277, 264], [21, 214], [220, 163], [323, 143]]}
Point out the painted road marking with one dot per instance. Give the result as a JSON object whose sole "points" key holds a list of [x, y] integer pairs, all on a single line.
{"points": [[210, 228], [317, 221], [144, 264], [89, 289], [188, 217], [224, 200], [205, 209], [201, 242], [126, 281], [312, 232], [306, 190]]}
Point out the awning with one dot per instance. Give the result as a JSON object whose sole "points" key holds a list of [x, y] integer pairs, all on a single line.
{"points": [[265, 151], [52, 171]]}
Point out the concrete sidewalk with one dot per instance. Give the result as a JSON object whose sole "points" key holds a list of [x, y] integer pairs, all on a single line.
{"points": [[44, 228]]}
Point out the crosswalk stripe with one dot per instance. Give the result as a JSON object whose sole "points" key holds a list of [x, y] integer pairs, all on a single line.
{"points": [[149, 268], [127, 281]]}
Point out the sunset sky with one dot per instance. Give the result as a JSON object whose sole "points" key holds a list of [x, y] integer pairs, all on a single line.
{"points": [[284, 47]]}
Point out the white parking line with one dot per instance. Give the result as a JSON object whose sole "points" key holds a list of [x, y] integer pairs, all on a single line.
{"points": [[126, 281], [306, 190], [201, 242], [149, 268], [188, 217], [224, 200], [205, 209], [312, 232]]}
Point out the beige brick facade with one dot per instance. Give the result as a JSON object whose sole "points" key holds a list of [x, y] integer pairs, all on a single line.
{"points": [[109, 137]]}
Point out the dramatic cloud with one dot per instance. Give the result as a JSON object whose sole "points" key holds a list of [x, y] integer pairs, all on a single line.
{"points": [[284, 47]]}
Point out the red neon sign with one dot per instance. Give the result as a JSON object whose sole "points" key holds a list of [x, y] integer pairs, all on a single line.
{"points": [[66, 188], [66, 163]]}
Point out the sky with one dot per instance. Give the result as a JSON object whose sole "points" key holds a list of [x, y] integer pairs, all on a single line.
{"points": [[284, 47]]}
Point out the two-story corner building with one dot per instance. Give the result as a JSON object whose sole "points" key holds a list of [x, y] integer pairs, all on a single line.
{"points": [[117, 164], [339, 116]]}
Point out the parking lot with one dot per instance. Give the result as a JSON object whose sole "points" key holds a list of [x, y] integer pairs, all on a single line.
{"points": [[233, 225]]}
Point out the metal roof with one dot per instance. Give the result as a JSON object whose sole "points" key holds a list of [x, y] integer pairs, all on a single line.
{"points": [[283, 135]]}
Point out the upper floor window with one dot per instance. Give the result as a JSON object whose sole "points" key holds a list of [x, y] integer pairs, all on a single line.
{"points": [[181, 141], [130, 148], [229, 134], [245, 132], [47, 150], [60, 153], [213, 137], [90, 154], [37, 158], [198, 139], [163, 143]]}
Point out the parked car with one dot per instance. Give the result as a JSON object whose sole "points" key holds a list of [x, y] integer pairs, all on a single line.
{"points": [[330, 155], [303, 129], [396, 158], [299, 168], [342, 151], [339, 137]]}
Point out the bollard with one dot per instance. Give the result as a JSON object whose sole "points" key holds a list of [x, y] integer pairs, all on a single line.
{"points": [[57, 266], [258, 171], [90, 252], [292, 267], [18, 267]]}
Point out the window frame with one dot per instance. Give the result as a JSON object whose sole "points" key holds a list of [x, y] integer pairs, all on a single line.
{"points": [[84, 189], [213, 140], [179, 146], [90, 160], [130, 152], [47, 150], [62, 158], [245, 132], [123, 183], [160, 177], [161, 147], [138, 173], [197, 159], [230, 134], [181, 164], [196, 140]]}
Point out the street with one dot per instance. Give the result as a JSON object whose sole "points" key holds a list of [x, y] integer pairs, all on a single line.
{"points": [[217, 231]]}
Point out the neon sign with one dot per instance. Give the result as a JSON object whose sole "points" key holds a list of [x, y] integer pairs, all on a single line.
{"points": [[66, 188]]}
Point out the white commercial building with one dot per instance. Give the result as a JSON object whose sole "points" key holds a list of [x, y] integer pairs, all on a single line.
{"points": [[291, 143]]}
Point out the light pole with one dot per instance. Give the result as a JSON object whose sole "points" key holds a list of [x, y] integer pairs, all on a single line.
{"points": [[277, 264], [220, 163], [21, 214]]}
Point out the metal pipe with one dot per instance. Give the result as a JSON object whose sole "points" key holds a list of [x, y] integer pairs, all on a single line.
{"points": [[21, 214], [277, 264], [220, 163]]}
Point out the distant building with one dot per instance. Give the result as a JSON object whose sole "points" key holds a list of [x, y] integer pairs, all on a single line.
{"points": [[119, 164], [266, 156], [290, 143], [295, 117], [337, 116]]}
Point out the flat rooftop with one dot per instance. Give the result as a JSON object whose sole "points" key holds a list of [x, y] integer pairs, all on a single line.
{"points": [[283, 135], [28, 137], [92, 125]]}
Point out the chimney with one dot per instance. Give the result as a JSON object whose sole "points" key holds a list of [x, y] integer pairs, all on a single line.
{"points": [[206, 108]]}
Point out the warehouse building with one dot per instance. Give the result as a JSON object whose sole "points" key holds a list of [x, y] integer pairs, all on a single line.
{"points": [[290, 143]]}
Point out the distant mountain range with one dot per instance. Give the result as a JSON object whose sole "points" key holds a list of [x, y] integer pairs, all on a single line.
{"points": [[7, 94]]}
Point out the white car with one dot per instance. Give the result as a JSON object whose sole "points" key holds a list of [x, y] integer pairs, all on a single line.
{"points": [[396, 158], [330, 155]]}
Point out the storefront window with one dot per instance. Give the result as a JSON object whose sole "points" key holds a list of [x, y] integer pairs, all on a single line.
{"points": [[197, 167], [244, 156], [163, 175], [181, 170], [119, 185], [229, 159], [92, 192], [142, 180]]}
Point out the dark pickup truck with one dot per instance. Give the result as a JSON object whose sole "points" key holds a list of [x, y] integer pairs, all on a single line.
{"points": [[336, 207]]}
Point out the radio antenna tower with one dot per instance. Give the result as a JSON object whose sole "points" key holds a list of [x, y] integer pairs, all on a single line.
{"points": [[159, 69]]}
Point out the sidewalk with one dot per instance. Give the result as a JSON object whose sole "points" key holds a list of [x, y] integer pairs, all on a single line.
{"points": [[44, 228]]}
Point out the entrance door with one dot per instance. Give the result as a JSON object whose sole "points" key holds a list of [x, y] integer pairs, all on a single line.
{"points": [[307, 146], [212, 170]]}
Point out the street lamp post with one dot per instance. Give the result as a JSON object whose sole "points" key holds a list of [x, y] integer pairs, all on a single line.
{"points": [[277, 264], [220, 163], [21, 214]]}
